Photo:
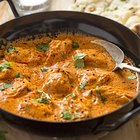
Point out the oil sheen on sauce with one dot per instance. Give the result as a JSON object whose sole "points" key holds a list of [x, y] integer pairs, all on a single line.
{"points": [[63, 78]]}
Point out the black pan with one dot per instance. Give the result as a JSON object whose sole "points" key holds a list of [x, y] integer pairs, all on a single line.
{"points": [[64, 21]]}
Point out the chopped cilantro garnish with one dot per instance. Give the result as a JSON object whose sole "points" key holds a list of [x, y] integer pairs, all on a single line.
{"points": [[79, 56], [103, 98], [43, 47], [10, 48], [5, 86], [44, 69], [75, 45], [79, 61], [82, 85], [43, 98], [131, 77], [5, 65], [18, 75], [66, 115]]}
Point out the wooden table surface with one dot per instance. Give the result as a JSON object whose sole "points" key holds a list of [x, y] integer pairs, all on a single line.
{"points": [[129, 131]]}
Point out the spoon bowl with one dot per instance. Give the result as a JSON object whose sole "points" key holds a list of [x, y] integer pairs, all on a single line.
{"points": [[116, 53]]}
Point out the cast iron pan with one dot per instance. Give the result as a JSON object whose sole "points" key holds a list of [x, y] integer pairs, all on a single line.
{"points": [[64, 21]]}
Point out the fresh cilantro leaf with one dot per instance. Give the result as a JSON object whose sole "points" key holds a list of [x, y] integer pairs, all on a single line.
{"points": [[10, 48], [5, 65], [97, 89], [18, 75], [79, 56], [82, 85], [66, 115], [44, 69], [103, 98], [131, 77], [79, 61], [44, 98], [43, 47], [5, 86], [75, 45]]}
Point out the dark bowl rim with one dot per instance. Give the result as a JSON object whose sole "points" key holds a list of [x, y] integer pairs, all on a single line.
{"points": [[72, 12]]}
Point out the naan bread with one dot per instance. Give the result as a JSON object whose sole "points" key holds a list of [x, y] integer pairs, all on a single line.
{"points": [[126, 12]]}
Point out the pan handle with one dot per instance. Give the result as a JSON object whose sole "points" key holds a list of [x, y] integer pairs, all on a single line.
{"points": [[104, 127], [12, 6]]}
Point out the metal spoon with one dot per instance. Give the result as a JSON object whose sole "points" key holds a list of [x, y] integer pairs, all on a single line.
{"points": [[116, 53]]}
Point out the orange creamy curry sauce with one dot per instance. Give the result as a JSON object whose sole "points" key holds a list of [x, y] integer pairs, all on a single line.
{"points": [[63, 78]]}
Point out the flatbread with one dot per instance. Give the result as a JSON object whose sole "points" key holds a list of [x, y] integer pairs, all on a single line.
{"points": [[126, 12]]}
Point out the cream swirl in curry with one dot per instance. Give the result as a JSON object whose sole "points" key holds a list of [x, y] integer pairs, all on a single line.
{"points": [[61, 78]]}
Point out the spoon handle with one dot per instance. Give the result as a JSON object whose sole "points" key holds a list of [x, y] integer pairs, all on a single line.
{"points": [[125, 65]]}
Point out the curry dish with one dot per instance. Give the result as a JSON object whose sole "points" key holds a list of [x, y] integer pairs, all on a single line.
{"points": [[63, 78]]}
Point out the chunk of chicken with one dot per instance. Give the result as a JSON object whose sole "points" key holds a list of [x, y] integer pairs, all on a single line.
{"points": [[58, 51], [57, 82], [7, 74], [18, 89], [28, 56], [35, 110], [114, 96], [91, 79]]}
